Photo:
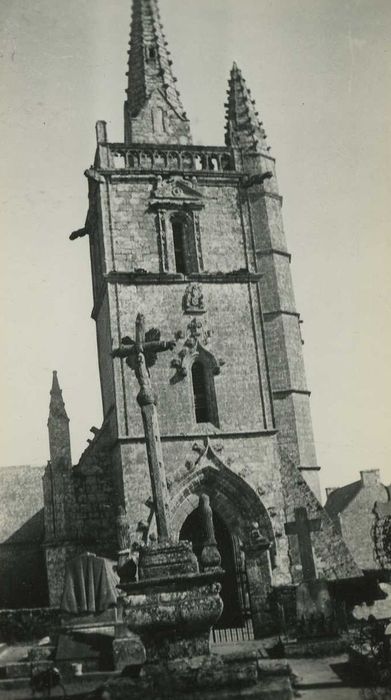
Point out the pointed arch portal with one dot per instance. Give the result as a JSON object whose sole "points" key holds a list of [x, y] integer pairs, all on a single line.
{"points": [[236, 508]]}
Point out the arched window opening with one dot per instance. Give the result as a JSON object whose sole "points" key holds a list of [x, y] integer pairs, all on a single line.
{"points": [[200, 393], [179, 239], [178, 233]]}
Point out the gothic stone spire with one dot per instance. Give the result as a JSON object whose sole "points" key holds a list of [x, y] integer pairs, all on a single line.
{"points": [[56, 406], [153, 111], [58, 427], [243, 128]]}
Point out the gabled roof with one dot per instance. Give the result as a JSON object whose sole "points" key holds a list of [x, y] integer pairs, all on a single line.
{"points": [[339, 499]]}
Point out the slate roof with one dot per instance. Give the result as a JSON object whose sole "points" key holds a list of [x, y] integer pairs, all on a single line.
{"points": [[21, 504], [339, 499]]}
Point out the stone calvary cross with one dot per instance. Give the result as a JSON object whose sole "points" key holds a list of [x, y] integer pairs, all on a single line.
{"points": [[302, 528], [140, 355]]}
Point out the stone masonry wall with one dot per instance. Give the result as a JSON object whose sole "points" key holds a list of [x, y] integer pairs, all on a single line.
{"points": [[229, 322], [104, 338], [333, 559], [142, 129], [131, 239], [90, 512], [94, 518]]}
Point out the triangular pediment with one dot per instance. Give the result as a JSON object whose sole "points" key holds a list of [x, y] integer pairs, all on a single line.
{"points": [[176, 188]]}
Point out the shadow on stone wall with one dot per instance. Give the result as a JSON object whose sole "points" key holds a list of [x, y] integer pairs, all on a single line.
{"points": [[23, 581]]}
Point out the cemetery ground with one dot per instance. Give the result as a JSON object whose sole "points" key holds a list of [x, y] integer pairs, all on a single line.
{"points": [[324, 678]]}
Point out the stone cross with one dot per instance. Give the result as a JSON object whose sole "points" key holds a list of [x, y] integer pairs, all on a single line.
{"points": [[302, 528], [141, 354]]}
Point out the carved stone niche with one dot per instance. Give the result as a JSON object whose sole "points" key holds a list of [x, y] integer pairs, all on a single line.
{"points": [[194, 347], [193, 299]]}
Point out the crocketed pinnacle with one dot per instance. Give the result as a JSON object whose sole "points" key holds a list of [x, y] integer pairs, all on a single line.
{"points": [[150, 65], [243, 128], [56, 406]]}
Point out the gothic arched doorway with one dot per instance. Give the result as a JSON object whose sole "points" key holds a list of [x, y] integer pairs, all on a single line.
{"points": [[233, 588]]}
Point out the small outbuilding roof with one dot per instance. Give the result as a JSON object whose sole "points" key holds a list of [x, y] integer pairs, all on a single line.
{"points": [[340, 498]]}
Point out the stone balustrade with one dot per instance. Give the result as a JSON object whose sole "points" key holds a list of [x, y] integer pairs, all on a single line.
{"points": [[171, 158]]}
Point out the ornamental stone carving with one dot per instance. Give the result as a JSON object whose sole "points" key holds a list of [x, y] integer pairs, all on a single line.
{"points": [[174, 191], [195, 345], [193, 299]]}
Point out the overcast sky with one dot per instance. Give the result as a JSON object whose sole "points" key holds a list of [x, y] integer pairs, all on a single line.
{"points": [[320, 73]]}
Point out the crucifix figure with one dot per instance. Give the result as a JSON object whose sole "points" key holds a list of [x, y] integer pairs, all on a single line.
{"points": [[302, 528], [141, 354]]}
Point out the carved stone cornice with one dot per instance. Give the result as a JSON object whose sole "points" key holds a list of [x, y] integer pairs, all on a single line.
{"points": [[153, 278]]}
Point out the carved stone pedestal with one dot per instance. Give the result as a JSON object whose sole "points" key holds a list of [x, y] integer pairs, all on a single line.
{"points": [[170, 611], [174, 605]]}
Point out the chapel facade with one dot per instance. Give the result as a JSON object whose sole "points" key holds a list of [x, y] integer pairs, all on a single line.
{"points": [[192, 238]]}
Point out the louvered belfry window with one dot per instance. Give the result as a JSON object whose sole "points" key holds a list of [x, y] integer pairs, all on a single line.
{"points": [[201, 403]]}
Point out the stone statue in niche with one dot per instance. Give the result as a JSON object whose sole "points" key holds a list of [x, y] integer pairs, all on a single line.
{"points": [[193, 300], [210, 556]]}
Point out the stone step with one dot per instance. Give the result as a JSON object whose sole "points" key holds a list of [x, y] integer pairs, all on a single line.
{"points": [[317, 647]]}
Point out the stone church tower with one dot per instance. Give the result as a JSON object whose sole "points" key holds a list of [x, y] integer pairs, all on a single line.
{"points": [[192, 237]]}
